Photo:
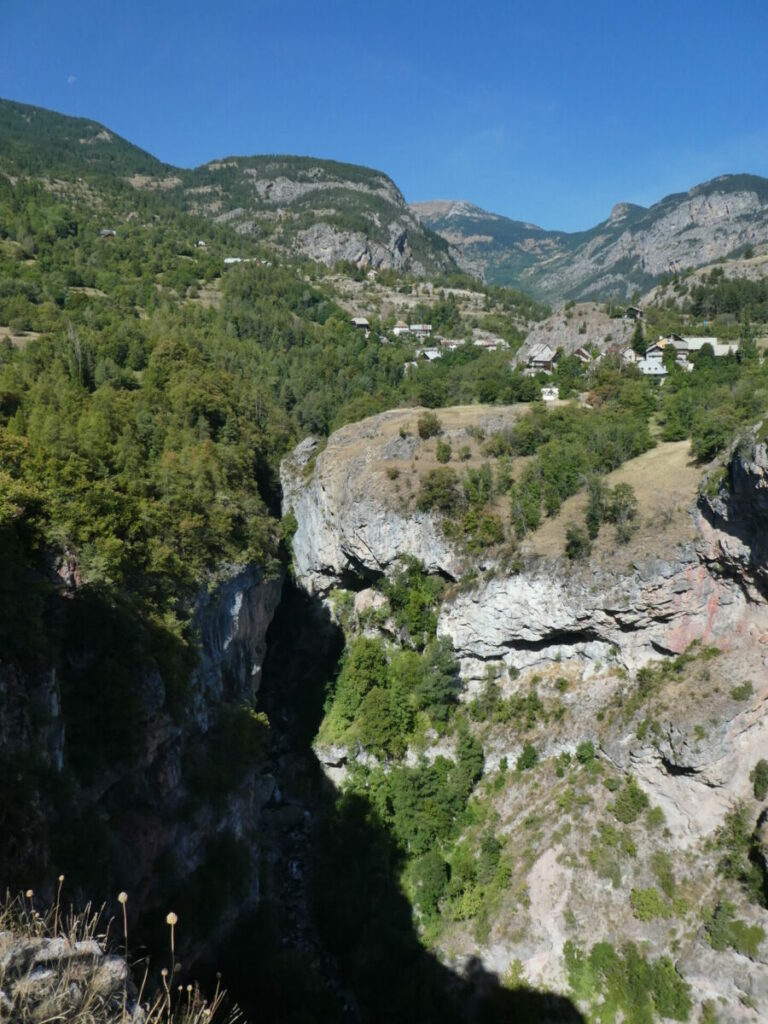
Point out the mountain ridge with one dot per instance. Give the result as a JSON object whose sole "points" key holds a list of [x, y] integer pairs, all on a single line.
{"points": [[325, 210], [628, 251]]}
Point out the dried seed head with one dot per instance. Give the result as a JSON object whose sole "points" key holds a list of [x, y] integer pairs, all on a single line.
{"points": [[30, 893], [171, 919], [61, 878], [122, 897]]}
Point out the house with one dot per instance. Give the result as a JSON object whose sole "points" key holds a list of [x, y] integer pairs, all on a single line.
{"points": [[429, 353], [719, 349], [410, 365], [200, 244], [421, 331], [541, 359], [107, 233], [632, 313], [652, 367], [550, 394], [361, 322], [652, 363], [584, 357], [452, 343], [630, 357], [488, 342], [401, 327]]}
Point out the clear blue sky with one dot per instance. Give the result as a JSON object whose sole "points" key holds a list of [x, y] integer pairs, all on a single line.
{"points": [[544, 110]]}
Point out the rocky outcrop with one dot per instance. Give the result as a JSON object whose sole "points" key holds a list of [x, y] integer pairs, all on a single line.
{"points": [[345, 533], [47, 979], [734, 515], [549, 612]]}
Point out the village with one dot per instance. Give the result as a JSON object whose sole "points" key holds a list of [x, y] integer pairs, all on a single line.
{"points": [[535, 358]]}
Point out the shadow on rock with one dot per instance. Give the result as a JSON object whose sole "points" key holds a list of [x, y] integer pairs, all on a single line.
{"points": [[334, 939]]}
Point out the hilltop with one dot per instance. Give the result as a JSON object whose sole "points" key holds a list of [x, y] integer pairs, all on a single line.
{"points": [[305, 207]]}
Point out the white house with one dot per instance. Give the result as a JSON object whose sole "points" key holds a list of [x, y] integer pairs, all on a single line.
{"points": [[452, 343], [420, 330], [550, 394], [401, 327], [361, 322]]}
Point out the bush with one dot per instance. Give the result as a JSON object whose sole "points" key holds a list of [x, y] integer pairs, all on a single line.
{"points": [[428, 425], [630, 803], [528, 758], [585, 752], [742, 692], [648, 904], [759, 779], [439, 491], [443, 451], [577, 543]]}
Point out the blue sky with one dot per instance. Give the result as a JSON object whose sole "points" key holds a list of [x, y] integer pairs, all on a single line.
{"points": [[544, 110]]}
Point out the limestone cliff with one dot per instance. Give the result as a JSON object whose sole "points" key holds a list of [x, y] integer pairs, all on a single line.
{"points": [[654, 653]]}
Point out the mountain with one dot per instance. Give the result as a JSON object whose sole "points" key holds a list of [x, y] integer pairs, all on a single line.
{"points": [[630, 251], [318, 209]]}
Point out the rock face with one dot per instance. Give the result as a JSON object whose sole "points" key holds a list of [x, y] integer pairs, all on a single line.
{"points": [[345, 531], [630, 250], [46, 979], [143, 806], [538, 615], [320, 209], [734, 520]]}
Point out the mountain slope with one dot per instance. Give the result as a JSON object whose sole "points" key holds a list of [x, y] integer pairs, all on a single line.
{"points": [[317, 209], [629, 251]]}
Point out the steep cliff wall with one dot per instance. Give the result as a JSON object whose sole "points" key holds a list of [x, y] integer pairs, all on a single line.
{"points": [[144, 818], [652, 655]]}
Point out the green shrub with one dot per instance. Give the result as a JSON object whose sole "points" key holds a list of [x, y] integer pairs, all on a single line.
{"points": [[759, 779], [577, 543], [528, 758], [439, 491], [585, 752], [428, 425], [443, 451], [743, 691], [630, 802], [648, 904]]}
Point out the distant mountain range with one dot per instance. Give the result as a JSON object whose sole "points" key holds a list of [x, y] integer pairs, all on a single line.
{"points": [[628, 252], [329, 212]]}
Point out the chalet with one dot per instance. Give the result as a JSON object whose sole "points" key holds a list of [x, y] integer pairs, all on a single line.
{"points": [[420, 330], [541, 359], [361, 322], [401, 327], [632, 313], [584, 357], [630, 357], [550, 394], [652, 363]]}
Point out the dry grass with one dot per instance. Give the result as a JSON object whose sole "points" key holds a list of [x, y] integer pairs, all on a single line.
{"points": [[60, 965], [665, 480], [18, 340]]}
